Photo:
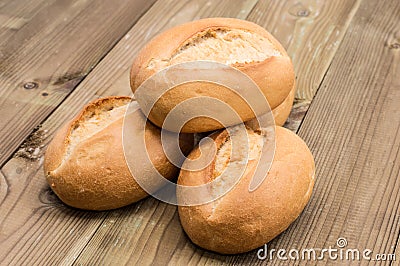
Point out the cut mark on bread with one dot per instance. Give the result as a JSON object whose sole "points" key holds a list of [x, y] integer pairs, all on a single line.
{"points": [[93, 119], [223, 157], [224, 153], [227, 46], [223, 160]]}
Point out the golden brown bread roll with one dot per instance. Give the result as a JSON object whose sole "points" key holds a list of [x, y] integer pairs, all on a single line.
{"points": [[241, 220], [238, 43], [85, 164], [282, 111]]}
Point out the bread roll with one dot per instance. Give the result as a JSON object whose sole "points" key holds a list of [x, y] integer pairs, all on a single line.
{"points": [[282, 111], [238, 43], [241, 220], [85, 164]]}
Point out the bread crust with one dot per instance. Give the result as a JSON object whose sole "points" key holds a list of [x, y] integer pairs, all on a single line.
{"points": [[95, 175], [282, 111], [241, 220], [274, 75]]}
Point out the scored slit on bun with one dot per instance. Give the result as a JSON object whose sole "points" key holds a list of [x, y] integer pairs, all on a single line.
{"points": [[242, 220], [85, 163]]}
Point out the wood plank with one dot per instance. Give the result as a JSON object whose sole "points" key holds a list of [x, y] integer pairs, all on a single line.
{"points": [[124, 237], [111, 78], [15, 14], [311, 31], [148, 227], [166, 246], [179, 246], [353, 129], [33, 219], [35, 226], [49, 53]]}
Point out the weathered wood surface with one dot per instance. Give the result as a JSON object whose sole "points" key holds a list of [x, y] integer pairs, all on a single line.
{"points": [[174, 245], [46, 49], [349, 200], [47, 231], [160, 237], [311, 31], [352, 127]]}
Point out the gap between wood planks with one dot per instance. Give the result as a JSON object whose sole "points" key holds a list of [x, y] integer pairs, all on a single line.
{"points": [[294, 123], [192, 9], [351, 122], [111, 88], [44, 60], [355, 6]]}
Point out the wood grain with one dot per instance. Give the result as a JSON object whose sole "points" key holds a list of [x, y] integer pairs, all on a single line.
{"points": [[45, 55], [111, 78], [177, 248], [349, 200], [35, 227], [121, 235], [15, 14], [352, 127], [311, 31], [47, 231]]}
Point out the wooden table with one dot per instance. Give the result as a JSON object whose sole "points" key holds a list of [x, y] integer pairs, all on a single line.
{"points": [[56, 55]]}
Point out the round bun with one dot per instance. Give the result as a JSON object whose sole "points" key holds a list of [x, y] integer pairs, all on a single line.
{"points": [[238, 43], [85, 164], [241, 220], [282, 111]]}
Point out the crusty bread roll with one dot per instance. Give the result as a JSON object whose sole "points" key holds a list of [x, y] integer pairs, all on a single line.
{"points": [[85, 164], [238, 43], [282, 111], [241, 220]]}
